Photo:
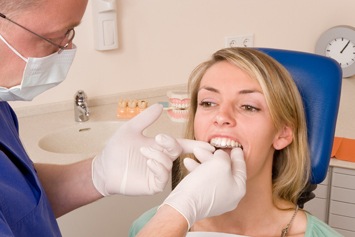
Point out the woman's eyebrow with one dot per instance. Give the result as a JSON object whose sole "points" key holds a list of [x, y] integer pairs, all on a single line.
{"points": [[208, 88], [241, 92], [249, 91]]}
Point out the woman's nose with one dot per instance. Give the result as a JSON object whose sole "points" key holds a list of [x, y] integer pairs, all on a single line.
{"points": [[225, 117]]}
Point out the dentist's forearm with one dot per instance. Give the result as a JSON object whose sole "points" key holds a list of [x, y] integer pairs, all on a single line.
{"points": [[68, 186], [166, 222]]}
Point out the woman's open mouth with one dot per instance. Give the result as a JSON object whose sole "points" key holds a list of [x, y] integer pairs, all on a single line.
{"points": [[224, 142]]}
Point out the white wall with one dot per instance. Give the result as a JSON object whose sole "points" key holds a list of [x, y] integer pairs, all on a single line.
{"points": [[161, 41]]}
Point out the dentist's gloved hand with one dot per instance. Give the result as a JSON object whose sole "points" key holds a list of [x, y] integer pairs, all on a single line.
{"points": [[122, 168], [212, 188]]}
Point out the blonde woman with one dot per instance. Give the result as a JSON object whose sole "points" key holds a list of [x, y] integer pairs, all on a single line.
{"points": [[243, 99]]}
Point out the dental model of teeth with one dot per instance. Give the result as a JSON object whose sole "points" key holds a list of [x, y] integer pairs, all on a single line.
{"points": [[223, 142], [179, 103], [127, 109]]}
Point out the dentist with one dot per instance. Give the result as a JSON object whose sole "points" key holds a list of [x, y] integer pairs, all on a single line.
{"points": [[36, 52]]}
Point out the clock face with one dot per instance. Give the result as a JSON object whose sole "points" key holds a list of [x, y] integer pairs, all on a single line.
{"points": [[342, 50], [338, 43]]}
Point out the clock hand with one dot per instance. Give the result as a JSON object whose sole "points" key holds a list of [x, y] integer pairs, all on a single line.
{"points": [[345, 47]]}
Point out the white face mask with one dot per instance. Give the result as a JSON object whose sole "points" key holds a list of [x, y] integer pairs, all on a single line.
{"points": [[40, 74]]}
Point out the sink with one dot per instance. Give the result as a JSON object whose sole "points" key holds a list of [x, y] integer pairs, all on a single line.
{"points": [[82, 138]]}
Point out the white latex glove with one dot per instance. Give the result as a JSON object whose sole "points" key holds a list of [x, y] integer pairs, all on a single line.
{"points": [[212, 188], [121, 168], [166, 145]]}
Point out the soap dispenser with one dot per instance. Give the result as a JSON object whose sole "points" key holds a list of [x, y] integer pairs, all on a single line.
{"points": [[105, 24]]}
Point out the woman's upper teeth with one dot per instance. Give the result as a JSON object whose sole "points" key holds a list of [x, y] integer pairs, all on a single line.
{"points": [[224, 142]]}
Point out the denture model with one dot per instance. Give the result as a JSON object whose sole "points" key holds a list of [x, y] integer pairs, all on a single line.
{"points": [[127, 109], [179, 103]]}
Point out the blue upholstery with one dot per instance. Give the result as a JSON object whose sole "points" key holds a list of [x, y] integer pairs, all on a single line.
{"points": [[318, 79]]}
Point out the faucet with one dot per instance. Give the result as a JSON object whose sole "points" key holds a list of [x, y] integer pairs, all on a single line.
{"points": [[81, 109]]}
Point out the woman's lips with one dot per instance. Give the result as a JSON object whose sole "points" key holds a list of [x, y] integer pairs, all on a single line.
{"points": [[224, 142]]}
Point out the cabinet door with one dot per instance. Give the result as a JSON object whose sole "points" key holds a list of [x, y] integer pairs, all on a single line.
{"points": [[319, 205], [342, 200]]}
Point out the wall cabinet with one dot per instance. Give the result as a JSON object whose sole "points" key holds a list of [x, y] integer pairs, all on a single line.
{"points": [[335, 201]]}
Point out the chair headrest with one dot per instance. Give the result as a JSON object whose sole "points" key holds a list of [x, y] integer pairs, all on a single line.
{"points": [[318, 79]]}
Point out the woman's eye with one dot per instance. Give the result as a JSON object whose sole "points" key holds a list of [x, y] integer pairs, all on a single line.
{"points": [[250, 108], [207, 104]]}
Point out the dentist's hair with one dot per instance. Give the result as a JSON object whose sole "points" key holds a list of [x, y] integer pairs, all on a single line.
{"points": [[14, 8], [291, 165], [9, 6]]}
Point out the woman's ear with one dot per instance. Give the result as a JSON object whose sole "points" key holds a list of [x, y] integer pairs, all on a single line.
{"points": [[283, 138]]}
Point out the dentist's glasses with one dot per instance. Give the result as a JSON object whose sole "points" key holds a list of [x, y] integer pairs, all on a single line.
{"points": [[68, 37]]}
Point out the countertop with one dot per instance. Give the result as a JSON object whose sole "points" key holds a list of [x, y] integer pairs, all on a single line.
{"points": [[341, 164]]}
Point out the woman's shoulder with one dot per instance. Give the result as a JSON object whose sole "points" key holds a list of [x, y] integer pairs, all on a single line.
{"points": [[140, 222], [316, 227]]}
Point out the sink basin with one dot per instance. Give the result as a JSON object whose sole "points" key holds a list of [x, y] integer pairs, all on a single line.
{"points": [[83, 138]]}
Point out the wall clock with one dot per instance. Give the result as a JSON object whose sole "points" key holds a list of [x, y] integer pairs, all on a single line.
{"points": [[339, 43]]}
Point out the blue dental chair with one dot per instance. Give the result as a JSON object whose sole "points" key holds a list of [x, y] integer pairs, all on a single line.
{"points": [[318, 79]]}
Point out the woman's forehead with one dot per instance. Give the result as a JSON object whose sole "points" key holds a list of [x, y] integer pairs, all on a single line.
{"points": [[223, 74]]}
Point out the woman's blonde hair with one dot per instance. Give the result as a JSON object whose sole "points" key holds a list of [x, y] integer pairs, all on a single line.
{"points": [[291, 165]]}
